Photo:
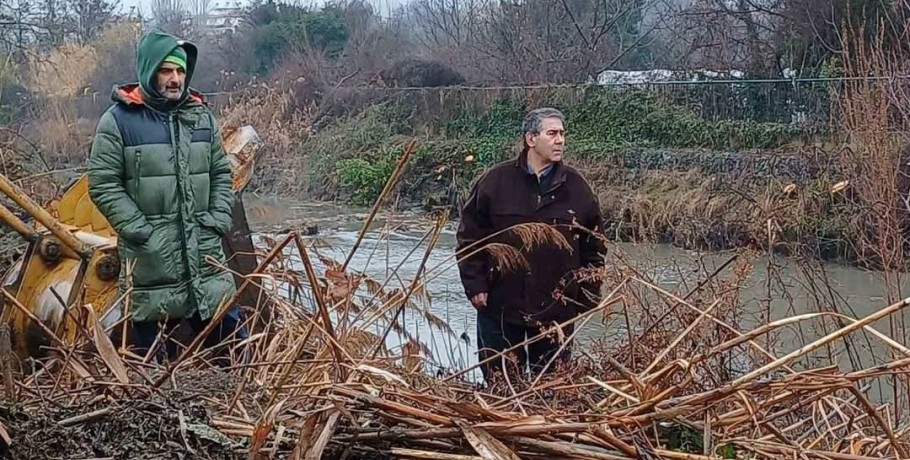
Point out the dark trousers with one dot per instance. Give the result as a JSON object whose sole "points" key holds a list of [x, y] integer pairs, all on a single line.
{"points": [[495, 336], [145, 333]]}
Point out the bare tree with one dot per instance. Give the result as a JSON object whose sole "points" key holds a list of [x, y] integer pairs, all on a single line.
{"points": [[55, 22], [199, 10], [764, 37], [534, 41], [170, 15], [91, 17], [444, 23], [721, 34], [21, 26]]}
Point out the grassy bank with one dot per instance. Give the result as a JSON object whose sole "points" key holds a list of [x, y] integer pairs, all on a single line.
{"points": [[664, 172]]}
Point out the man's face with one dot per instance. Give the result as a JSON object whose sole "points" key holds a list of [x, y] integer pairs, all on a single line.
{"points": [[170, 80], [550, 142]]}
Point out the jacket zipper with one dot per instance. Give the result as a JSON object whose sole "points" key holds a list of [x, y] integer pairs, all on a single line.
{"points": [[138, 168], [137, 174], [540, 193], [175, 144]]}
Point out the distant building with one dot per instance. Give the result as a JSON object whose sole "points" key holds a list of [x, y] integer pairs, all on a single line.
{"points": [[222, 18], [643, 77]]}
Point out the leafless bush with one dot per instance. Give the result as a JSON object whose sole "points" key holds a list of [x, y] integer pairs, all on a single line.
{"points": [[532, 42], [421, 73], [872, 116]]}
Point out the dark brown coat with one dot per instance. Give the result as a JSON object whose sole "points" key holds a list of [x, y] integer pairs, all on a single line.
{"points": [[551, 288]]}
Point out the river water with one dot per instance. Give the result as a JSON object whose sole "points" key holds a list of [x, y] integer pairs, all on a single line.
{"points": [[393, 249]]}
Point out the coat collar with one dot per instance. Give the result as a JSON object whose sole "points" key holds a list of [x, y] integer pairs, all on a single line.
{"points": [[558, 172]]}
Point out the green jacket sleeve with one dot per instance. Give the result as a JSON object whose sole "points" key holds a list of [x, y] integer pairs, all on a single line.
{"points": [[105, 179], [221, 202]]}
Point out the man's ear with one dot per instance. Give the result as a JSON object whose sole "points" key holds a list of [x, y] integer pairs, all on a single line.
{"points": [[530, 139]]}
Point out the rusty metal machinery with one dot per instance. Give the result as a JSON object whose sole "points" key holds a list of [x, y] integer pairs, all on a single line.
{"points": [[72, 260]]}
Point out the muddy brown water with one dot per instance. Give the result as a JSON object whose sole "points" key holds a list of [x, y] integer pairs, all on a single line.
{"points": [[394, 248]]}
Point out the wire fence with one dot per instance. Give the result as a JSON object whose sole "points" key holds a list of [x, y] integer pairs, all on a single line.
{"points": [[804, 101]]}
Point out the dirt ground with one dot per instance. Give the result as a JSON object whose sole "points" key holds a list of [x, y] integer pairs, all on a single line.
{"points": [[173, 424]]}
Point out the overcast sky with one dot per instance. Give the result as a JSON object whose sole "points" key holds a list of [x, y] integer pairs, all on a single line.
{"points": [[382, 6]]}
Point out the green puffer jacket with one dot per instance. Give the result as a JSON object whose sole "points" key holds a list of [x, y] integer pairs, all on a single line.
{"points": [[158, 173]]}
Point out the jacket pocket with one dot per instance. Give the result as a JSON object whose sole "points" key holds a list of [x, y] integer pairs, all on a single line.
{"points": [[209, 244], [137, 172], [159, 260], [507, 298], [201, 135], [505, 214], [564, 222]]}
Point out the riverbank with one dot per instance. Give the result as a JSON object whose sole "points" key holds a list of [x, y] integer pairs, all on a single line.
{"points": [[665, 169], [782, 201]]}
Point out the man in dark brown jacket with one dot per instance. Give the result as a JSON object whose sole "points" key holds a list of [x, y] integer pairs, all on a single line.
{"points": [[516, 304]]}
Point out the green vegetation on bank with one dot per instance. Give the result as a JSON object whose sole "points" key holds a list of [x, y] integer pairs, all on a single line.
{"points": [[359, 150], [663, 171]]}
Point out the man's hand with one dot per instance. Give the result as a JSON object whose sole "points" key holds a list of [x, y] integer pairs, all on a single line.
{"points": [[479, 300]]}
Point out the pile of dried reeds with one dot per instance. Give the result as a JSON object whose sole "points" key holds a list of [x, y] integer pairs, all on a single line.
{"points": [[316, 381], [314, 387]]}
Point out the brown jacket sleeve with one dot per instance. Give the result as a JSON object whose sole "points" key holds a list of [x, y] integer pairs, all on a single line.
{"points": [[592, 249], [474, 226]]}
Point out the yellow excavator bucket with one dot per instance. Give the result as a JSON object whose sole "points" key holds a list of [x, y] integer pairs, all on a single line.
{"points": [[72, 263]]}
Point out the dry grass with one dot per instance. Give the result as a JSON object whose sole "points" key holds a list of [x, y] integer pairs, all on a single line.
{"points": [[58, 126], [54, 76], [696, 210], [874, 114], [272, 112], [685, 208]]}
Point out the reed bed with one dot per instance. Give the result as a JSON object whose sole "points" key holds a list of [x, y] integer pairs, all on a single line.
{"points": [[312, 388], [677, 379]]}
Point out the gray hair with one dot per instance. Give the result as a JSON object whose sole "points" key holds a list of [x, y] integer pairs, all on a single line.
{"points": [[534, 119]]}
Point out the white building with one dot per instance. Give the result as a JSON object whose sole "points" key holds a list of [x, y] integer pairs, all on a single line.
{"points": [[223, 18]]}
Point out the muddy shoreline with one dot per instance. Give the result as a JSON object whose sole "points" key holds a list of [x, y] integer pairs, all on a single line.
{"points": [[691, 199]]}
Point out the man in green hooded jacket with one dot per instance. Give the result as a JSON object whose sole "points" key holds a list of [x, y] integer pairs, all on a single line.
{"points": [[158, 173]]}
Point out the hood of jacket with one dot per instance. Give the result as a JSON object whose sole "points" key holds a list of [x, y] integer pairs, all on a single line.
{"points": [[150, 53]]}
